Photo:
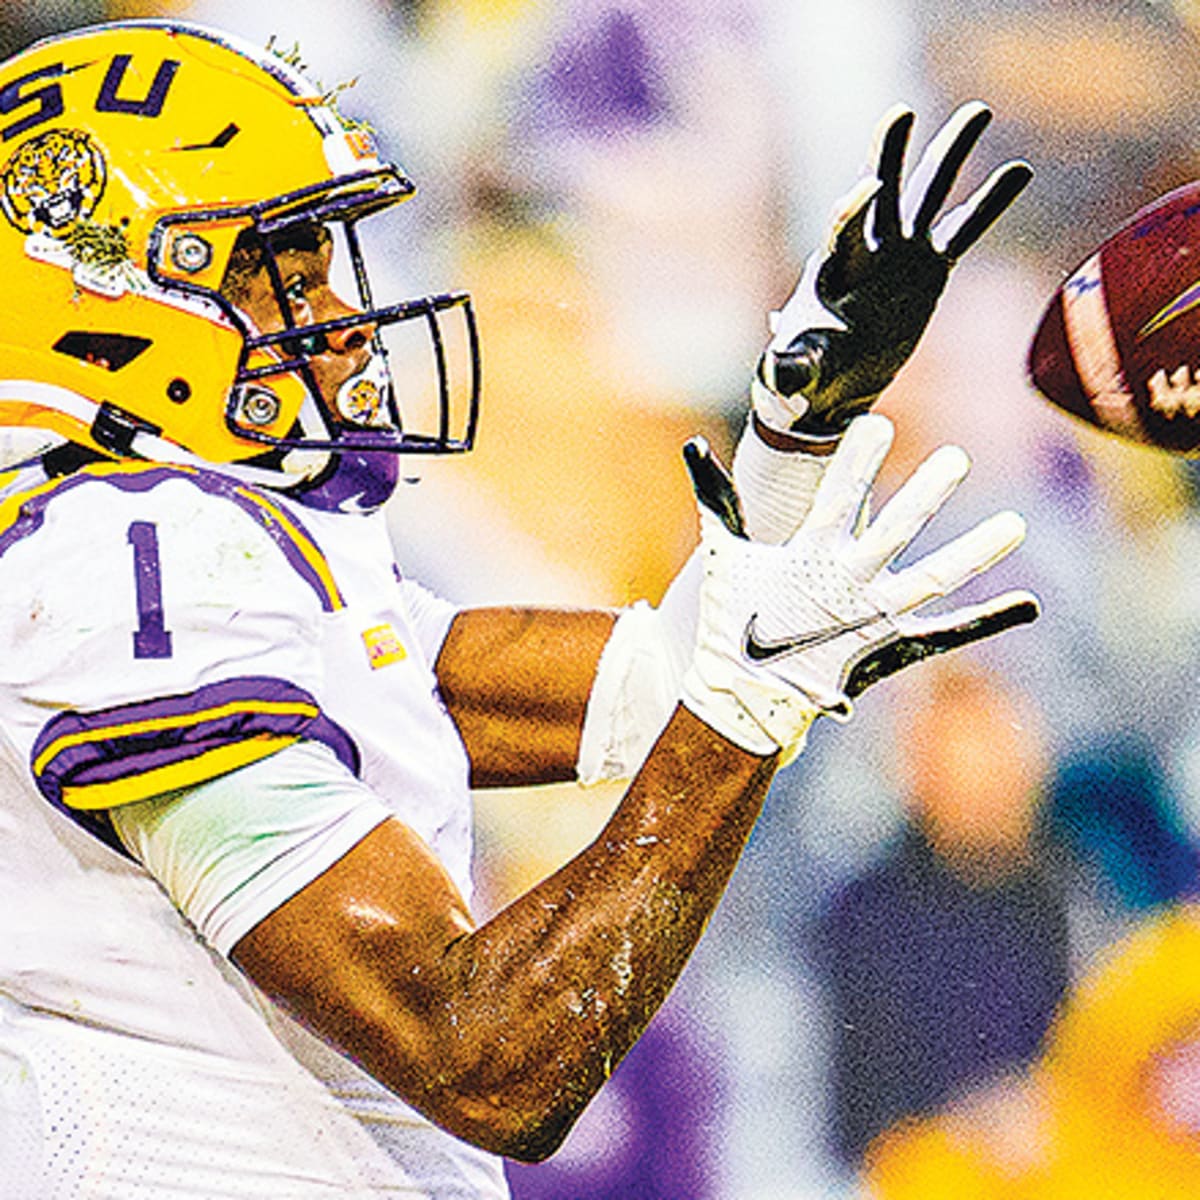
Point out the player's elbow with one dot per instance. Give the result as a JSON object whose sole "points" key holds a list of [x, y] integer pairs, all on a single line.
{"points": [[531, 1140], [514, 1122]]}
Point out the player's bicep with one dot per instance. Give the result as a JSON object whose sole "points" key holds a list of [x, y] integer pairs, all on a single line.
{"points": [[517, 682], [230, 851], [294, 870], [359, 956]]}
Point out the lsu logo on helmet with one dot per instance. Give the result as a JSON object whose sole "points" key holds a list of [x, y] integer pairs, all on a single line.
{"points": [[143, 164], [52, 182]]}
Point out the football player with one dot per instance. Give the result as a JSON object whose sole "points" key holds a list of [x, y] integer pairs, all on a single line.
{"points": [[238, 952]]}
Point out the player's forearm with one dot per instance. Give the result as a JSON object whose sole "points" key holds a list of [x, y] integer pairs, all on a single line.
{"points": [[502, 1034], [566, 978]]}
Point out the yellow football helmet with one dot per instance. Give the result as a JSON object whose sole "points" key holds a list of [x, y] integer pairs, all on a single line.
{"points": [[134, 158]]}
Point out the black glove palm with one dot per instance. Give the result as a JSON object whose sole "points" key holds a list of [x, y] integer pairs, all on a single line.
{"points": [[866, 297]]}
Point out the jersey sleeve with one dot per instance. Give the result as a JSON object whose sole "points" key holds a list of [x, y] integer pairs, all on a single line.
{"points": [[232, 850], [160, 627], [431, 616]]}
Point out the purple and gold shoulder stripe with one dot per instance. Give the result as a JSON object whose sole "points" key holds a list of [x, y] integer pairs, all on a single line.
{"points": [[88, 762], [22, 515]]}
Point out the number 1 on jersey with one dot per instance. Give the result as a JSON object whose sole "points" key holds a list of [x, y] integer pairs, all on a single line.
{"points": [[151, 639]]}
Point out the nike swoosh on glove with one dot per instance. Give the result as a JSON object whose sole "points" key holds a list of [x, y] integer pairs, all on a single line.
{"points": [[789, 632]]}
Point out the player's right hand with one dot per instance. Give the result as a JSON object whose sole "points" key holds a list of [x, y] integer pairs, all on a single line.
{"points": [[866, 295], [789, 632]]}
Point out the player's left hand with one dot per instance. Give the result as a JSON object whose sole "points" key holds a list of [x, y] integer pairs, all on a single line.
{"points": [[866, 295]]}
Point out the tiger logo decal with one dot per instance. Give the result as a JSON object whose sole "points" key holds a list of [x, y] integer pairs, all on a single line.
{"points": [[52, 182], [362, 403]]}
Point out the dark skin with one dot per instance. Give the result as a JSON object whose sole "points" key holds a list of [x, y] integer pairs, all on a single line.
{"points": [[502, 1033]]}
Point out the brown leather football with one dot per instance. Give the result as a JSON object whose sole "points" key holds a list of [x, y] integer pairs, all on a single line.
{"points": [[1119, 343]]}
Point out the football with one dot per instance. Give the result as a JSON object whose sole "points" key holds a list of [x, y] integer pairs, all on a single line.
{"points": [[1119, 342]]}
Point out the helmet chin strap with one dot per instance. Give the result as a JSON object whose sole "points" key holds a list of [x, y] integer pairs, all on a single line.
{"points": [[155, 448], [350, 480], [302, 465], [20, 445]]}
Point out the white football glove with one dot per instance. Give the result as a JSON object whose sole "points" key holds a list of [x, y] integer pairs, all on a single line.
{"points": [[866, 295], [789, 632]]}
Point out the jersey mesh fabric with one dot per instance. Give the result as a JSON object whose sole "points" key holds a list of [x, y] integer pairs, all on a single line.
{"points": [[90, 1116]]}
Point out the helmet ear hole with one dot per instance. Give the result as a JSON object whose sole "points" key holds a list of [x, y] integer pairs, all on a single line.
{"points": [[112, 351]]}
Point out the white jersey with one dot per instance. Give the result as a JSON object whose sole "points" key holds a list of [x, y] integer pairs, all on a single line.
{"points": [[161, 626]]}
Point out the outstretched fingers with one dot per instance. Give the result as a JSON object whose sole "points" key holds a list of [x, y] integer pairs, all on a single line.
{"points": [[891, 136], [908, 511], [974, 622], [964, 225], [910, 210], [922, 637], [946, 569], [935, 173]]}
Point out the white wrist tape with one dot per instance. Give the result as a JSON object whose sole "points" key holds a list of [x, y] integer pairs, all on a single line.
{"points": [[638, 680], [776, 487], [640, 676]]}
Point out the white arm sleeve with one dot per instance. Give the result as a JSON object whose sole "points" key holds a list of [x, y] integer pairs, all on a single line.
{"points": [[230, 851], [776, 487]]}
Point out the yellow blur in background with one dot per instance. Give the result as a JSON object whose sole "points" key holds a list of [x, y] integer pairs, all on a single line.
{"points": [[627, 187]]}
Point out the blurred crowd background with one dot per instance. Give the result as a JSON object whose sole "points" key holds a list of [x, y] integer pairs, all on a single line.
{"points": [[959, 958]]}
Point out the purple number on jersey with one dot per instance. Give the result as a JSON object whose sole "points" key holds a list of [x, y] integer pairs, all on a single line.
{"points": [[151, 639]]}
